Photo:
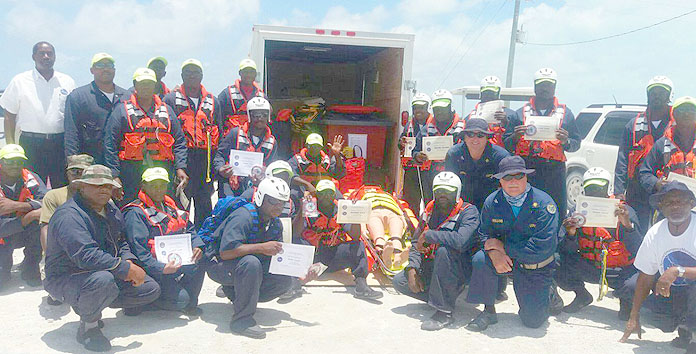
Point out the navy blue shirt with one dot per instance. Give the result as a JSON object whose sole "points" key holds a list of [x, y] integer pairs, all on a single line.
{"points": [[476, 176], [86, 112], [11, 224], [238, 229]]}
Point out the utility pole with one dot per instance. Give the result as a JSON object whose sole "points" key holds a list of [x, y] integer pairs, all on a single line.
{"points": [[513, 42]]}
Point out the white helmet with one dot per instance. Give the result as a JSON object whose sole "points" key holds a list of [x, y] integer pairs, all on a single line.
{"points": [[545, 74], [278, 166], [662, 81], [258, 103], [491, 83], [447, 180], [420, 98], [597, 176], [274, 187], [442, 98]]}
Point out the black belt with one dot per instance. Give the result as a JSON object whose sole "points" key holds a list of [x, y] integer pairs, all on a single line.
{"points": [[42, 136]]}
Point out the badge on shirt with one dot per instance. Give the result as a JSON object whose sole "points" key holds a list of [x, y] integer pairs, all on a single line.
{"points": [[531, 226], [497, 221], [63, 92], [551, 209]]}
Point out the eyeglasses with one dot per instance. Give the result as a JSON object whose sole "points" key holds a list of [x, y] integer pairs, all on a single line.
{"points": [[104, 65], [517, 176], [13, 162], [475, 135]]}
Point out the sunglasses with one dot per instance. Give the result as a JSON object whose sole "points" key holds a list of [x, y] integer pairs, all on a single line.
{"points": [[475, 135], [517, 176], [104, 66]]}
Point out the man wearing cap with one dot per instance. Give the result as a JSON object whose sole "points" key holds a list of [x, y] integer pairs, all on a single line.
{"points": [[519, 229], [159, 66], [440, 262], [312, 164], [154, 214], [581, 249], [669, 248], [253, 136], [640, 134], [420, 105], [674, 152], [546, 157], [233, 99], [34, 101], [490, 91], [444, 122], [88, 262], [199, 116], [21, 192], [143, 132], [475, 161], [241, 254], [88, 107], [338, 246]]}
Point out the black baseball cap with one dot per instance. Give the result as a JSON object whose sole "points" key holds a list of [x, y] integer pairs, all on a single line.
{"points": [[477, 125]]}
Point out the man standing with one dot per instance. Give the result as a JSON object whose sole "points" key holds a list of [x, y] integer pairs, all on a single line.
{"points": [[546, 157], [143, 132], [639, 137], [412, 185], [519, 229], [34, 101], [88, 107], [159, 66], [669, 248], [88, 262], [441, 261], [234, 98], [199, 116], [490, 91], [21, 192]]}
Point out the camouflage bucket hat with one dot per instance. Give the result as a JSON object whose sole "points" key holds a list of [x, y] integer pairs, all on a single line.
{"points": [[97, 175], [80, 161]]}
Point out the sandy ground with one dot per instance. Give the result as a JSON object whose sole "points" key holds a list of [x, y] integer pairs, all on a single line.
{"points": [[327, 318]]}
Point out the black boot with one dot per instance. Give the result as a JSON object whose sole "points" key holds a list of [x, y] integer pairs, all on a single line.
{"points": [[555, 303], [625, 306], [93, 339], [582, 299], [438, 321], [683, 338], [363, 291]]}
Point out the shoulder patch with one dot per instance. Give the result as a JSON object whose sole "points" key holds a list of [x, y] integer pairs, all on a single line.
{"points": [[551, 209]]}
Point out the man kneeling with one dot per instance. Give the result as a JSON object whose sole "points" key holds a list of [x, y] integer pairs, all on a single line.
{"points": [[88, 262], [441, 260]]}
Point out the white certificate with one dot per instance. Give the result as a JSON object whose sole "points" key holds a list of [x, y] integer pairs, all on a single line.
{"points": [[353, 212], [243, 161], [410, 144], [358, 142], [688, 181], [598, 212], [541, 128], [487, 110], [175, 248], [293, 260], [436, 147], [287, 229]]}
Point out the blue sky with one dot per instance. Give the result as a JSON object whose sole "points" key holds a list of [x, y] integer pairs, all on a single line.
{"points": [[457, 42]]}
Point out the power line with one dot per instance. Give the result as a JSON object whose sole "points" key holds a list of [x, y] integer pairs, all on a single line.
{"points": [[613, 35]]}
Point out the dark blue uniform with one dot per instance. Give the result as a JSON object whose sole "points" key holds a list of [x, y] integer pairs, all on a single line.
{"points": [[180, 290], [476, 176], [86, 264], [445, 273], [530, 238], [246, 279], [86, 111], [657, 159]]}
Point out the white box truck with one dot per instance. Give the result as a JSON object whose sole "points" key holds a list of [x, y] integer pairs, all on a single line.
{"points": [[341, 67]]}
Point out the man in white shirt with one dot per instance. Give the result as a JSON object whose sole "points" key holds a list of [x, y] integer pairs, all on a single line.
{"points": [[669, 247], [34, 101]]}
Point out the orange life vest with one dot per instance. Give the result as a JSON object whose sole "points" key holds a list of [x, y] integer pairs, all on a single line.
{"points": [[496, 128], [310, 171], [238, 102], [591, 242], [25, 194], [675, 159], [411, 132], [549, 150], [170, 220], [449, 224], [266, 146], [325, 231], [147, 134], [455, 129], [199, 127]]}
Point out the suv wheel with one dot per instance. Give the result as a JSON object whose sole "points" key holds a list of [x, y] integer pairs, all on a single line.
{"points": [[574, 186]]}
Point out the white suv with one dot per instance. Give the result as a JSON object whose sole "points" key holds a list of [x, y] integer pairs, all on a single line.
{"points": [[601, 128]]}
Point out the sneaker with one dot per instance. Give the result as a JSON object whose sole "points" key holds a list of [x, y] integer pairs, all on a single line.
{"points": [[93, 339], [254, 332], [482, 321], [367, 294], [290, 295], [581, 301], [133, 311], [438, 321]]}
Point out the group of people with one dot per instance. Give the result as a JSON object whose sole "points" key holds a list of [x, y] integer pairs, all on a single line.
{"points": [[124, 165]]}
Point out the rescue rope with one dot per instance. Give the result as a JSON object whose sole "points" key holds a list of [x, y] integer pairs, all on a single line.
{"points": [[207, 170], [603, 284]]}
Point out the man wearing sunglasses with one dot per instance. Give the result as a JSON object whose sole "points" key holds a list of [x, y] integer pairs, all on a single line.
{"points": [[519, 229], [88, 107]]}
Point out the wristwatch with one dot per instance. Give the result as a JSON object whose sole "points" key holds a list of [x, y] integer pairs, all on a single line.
{"points": [[680, 271]]}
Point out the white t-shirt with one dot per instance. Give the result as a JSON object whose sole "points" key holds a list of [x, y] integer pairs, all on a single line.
{"points": [[38, 104], [195, 101], [656, 123], [109, 95], [661, 250]]}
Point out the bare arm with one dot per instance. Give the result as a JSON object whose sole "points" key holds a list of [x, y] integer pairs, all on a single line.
{"points": [[269, 248], [10, 125]]}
